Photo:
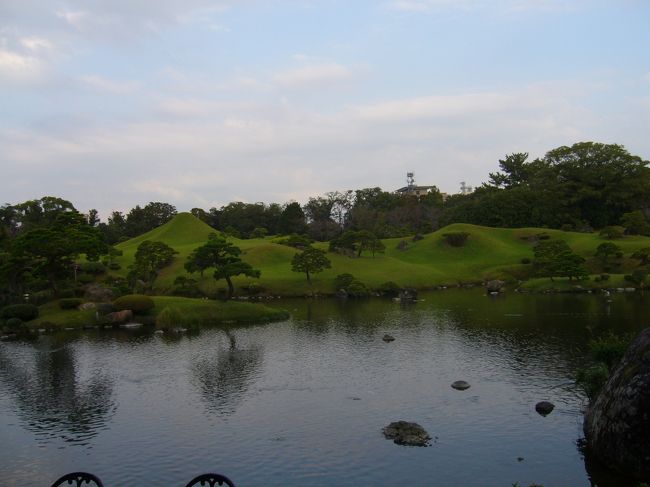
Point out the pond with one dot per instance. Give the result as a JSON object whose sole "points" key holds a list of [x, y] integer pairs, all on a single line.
{"points": [[303, 402]]}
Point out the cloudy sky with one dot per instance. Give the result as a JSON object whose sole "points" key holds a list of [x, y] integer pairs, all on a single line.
{"points": [[113, 103]]}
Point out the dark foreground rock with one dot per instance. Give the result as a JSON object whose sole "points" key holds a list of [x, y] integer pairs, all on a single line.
{"points": [[405, 433], [544, 408], [617, 423]]}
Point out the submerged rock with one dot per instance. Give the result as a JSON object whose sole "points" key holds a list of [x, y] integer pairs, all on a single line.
{"points": [[460, 385], [405, 433], [544, 408], [388, 338], [617, 423]]}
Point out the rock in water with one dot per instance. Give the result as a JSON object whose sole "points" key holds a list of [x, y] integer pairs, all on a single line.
{"points": [[544, 408], [617, 423], [388, 338], [405, 433], [494, 286], [460, 385]]}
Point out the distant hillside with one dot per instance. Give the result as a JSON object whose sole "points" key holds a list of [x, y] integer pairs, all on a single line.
{"points": [[488, 253]]}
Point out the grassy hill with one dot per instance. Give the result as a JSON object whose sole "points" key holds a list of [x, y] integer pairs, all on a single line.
{"points": [[488, 253]]}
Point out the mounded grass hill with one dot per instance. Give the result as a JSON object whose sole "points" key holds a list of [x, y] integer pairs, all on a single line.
{"points": [[488, 253]]}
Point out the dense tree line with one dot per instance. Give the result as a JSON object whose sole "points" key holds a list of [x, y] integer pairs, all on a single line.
{"points": [[582, 187]]}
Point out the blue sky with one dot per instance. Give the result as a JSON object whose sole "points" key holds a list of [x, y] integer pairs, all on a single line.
{"points": [[113, 103]]}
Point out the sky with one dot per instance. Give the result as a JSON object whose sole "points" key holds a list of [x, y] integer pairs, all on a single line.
{"points": [[197, 103]]}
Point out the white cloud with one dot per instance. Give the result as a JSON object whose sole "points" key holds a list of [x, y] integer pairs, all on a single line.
{"points": [[316, 73], [36, 44], [113, 87], [16, 66], [414, 109], [277, 152]]}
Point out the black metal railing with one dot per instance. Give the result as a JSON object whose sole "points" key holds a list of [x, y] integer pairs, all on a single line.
{"points": [[84, 479]]}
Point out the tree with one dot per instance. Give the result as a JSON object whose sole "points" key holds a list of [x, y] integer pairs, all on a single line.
{"points": [[310, 261], [635, 223], [642, 255], [150, 258], [92, 217], [605, 250], [217, 252], [50, 251], [554, 258]]}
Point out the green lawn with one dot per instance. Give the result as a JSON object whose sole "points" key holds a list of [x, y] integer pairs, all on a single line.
{"points": [[488, 253], [191, 312]]}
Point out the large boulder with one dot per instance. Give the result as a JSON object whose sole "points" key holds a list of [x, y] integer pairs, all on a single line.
{"points": [[120, 317], [494, 286], [617, 423], [405, 433]]}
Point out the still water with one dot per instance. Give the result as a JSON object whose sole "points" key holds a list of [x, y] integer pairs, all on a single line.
{"points": [[303, 402]]}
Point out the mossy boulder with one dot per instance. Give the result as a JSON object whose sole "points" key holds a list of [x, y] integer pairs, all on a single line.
{"points": [[617, 423]]}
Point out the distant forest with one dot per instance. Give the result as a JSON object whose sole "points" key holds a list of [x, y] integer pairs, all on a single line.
{"points": [[583, 187]]}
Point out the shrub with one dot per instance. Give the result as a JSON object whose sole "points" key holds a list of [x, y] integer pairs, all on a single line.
{"points": [[253, 288], [67, 293], [592, 379], [526, 260], [14, 324], [24, 312], [357, 289], [389, 288], [94, 268], [342, 281], [417, 237], [296, 241], [402, 245], [542, 236], [104, 308], [186, 286], [638, 276], [169, 317], [612, 232], [566, 227], [456, 239], [70, 303], [609, 349], [604, 277], [114, 266], [138, 303], [85, 278], [259, 232]]}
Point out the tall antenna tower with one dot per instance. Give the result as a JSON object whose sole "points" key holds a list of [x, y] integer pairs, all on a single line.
{"points": [[410, 179], [464, 189]]}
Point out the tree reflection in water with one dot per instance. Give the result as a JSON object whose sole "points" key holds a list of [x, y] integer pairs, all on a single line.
{"points": [[224, 379], [51, 397]]}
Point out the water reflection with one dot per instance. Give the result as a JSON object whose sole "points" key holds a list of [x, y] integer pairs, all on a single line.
{"points": [[51, 396], [224, 378]]}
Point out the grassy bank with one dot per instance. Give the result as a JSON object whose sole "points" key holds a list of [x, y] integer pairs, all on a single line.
{"points": [[489, 253], [190, 312]]}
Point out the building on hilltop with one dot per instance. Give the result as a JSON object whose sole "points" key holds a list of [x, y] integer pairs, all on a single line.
{"points": [[412, 189]]}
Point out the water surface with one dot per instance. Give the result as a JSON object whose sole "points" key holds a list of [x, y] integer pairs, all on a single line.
{"points": [[303, 402]]}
